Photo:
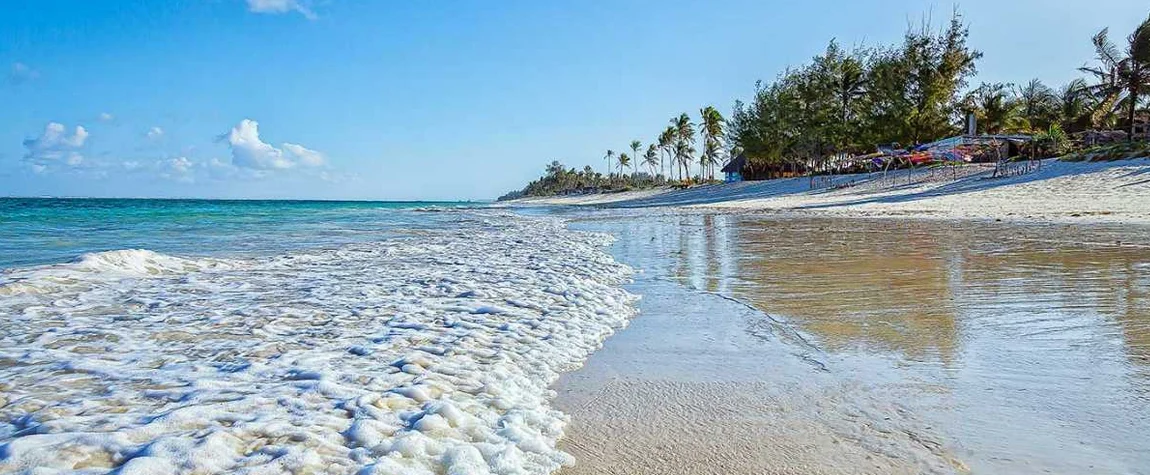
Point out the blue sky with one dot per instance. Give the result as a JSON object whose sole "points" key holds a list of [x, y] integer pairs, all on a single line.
{"points": [[341, 99]]}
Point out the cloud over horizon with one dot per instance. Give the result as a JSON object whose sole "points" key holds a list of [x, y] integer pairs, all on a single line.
{"points": [[249, 151], [55, 146], [59, 148]]}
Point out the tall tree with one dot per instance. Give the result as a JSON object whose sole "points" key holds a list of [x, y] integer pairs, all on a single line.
{"points": [[624, 161], [938, 69], [651, 158], [1122, 77], [666, 146], [684, 141], [635, 146], [712, 131], [610, 155], [850, 83]]}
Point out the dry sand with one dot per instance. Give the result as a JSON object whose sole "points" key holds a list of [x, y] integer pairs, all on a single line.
{"points": [[1058, 191]]}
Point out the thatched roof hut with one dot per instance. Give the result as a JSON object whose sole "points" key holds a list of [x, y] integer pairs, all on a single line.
{"points": [[733, 170]]}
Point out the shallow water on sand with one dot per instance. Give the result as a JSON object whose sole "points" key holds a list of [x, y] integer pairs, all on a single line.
{"points": [[1025, 347]]}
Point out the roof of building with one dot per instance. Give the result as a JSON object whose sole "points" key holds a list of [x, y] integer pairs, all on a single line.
{"points": [[736, 164]]}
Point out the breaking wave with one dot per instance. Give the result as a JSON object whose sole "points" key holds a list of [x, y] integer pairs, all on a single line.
{"points": [[427, 354]]}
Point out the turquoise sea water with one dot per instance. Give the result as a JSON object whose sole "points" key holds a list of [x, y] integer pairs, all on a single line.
{"points": [[292, 337], [44, 230]]}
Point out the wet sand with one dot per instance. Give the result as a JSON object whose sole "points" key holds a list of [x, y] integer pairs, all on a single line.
{"points": [[890, 347], [702, 385]]}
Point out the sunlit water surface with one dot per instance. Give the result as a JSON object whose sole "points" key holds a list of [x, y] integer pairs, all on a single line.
{"points": [[1028, 346]]}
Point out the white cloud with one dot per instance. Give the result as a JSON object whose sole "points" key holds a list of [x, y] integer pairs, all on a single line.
{"points": [[304, 156], [250, 152], [54, 146], [180, 165], [155, 133], [179, 169], [276, 7], [21, 73], [106, 117]]}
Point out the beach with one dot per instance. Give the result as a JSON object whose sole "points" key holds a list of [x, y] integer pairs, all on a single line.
{"points": [[1085, 192], [704, 385], [769, 344], [311, 237], [426, 338]]}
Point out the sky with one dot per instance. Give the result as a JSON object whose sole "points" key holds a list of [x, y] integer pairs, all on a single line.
{"points": [[443, 100]]}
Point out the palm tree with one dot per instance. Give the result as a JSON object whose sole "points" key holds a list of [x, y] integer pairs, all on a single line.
{"points": [[1037, 104], [996, 110], [651, 158], [1073, 105], [712, 131], [684, 139], [610, 155], [624, 161], [635, 146], [666, 142], [1122, 77], [683, 153]]}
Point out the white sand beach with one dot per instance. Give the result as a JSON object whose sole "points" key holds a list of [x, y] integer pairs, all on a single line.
{"points": [[1057, 191]]}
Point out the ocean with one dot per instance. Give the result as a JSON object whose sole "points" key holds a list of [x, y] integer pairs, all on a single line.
{"points": [[46, 231], [269, 337], [173, 336]]}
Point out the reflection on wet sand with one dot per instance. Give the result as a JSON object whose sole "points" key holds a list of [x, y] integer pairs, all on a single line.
{"points": [[1028, 344], [915, 288]]}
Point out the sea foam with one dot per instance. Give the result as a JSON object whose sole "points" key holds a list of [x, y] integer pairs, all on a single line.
{"points": [[429, 354]]}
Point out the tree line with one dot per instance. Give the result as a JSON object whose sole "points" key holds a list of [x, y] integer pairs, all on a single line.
{"points": [[846, 102]]}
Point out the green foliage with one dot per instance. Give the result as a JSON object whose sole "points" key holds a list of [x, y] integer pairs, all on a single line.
{"points": [[1110, 152], [1038, 105], [846, 102], [1052, 142], [997, 110], [559, 180], [651, 158], [1122, 78], [711, 129]]}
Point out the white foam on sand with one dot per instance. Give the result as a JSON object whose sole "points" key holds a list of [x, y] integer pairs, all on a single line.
{"points": [[430, 354]]}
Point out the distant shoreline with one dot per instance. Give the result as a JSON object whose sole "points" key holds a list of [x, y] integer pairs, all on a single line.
{"points": [[1082, 192]]}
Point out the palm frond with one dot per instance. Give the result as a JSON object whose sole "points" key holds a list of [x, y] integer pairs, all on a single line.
{"points": [[1139, 49], [1108, 54]]}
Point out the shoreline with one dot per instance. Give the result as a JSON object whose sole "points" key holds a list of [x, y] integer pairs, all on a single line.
{"points": [[746, 357], [1063, 192], [687, 389]]}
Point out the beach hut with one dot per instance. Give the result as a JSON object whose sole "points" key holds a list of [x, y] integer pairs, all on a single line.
{"points": [[733, 170]]}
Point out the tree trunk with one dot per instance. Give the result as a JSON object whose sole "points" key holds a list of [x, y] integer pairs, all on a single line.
{"points": [[1133, 113]]}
